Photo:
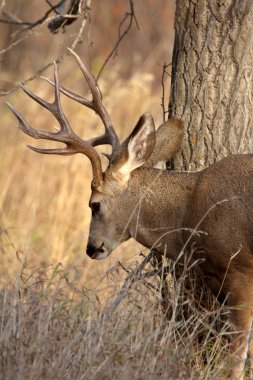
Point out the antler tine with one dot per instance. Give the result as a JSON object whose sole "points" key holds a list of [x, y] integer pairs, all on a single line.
{"points": [[27, 129], [55, 107], [99, 140], [110, 137], [71, 94]]}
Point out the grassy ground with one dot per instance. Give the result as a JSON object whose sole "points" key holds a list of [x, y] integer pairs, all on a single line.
{"points": [[54, 327], [54, 317]]}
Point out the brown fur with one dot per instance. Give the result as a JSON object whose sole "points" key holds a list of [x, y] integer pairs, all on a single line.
{"points": [[211, 210]]}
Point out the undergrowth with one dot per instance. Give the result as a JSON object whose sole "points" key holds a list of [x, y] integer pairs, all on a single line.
{"points": [[54, 327]]}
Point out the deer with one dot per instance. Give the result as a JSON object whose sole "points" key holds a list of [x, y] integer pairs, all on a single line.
{"points": [[166, 211]]}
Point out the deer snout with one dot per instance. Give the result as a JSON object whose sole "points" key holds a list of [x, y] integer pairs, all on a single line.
{"points": [[96, 253]]}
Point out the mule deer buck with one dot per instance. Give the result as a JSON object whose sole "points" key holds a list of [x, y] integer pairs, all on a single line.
{"points": [[166, 211]]}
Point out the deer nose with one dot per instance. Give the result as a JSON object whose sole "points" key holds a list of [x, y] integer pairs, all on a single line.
{"points": [[91, 250]]}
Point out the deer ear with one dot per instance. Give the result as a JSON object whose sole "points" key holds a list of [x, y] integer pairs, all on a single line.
{"points": [[169, 138], [137, 147], [141, 141]]}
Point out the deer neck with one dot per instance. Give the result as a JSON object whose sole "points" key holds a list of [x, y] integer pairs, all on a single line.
{"points": [[160, 203]]}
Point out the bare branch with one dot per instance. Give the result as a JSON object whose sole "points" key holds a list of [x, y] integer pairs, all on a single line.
{"points": [[32, 25], [165, 72], [78, 39], [14, 22], [60, 21], [121, 35], [132, 277]]}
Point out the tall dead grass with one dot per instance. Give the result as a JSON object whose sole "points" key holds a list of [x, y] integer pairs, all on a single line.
{"points": [[53, 327]]}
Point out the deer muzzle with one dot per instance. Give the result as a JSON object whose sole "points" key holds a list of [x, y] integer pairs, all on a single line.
{"points": [[97, 253]]}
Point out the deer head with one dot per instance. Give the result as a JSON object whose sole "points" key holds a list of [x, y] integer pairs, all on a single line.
{"points": [[113, 192]]}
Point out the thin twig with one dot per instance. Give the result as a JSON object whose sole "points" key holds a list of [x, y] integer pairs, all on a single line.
{"points": [[60, 21], [43, 18], [9, 16], [51, 5], [77, 40], [121, 35], [165, 72], [20, 23], [129, 281]]}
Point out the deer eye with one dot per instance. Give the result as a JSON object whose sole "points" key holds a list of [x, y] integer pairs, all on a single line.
{"points": [[95, 208]]}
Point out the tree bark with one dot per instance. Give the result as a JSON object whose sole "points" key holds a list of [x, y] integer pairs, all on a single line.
{"points": [[212, 78]]}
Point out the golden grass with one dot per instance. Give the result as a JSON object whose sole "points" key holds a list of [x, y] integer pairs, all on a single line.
{"points": [[53, 329]]}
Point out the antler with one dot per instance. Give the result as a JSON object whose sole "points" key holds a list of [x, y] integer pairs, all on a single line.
{"points": [[109, 137], [74, 144]]}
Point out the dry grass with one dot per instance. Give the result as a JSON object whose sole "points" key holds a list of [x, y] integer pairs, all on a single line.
{"points": [[53, 319], [52, 328]]}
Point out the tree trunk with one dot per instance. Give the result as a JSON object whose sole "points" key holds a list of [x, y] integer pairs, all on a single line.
{"points": [[212, 78]]}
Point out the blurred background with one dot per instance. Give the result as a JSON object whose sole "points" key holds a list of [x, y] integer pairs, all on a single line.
{"points": [[44, 214]]}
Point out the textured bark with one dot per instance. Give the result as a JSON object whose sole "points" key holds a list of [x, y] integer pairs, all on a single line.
{"points": [[212, 77]]}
